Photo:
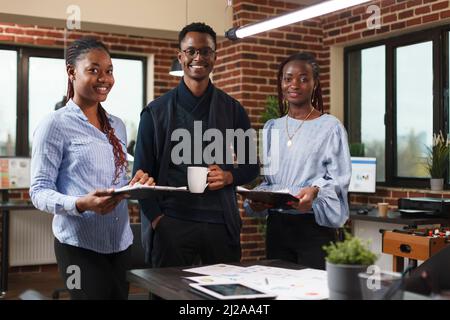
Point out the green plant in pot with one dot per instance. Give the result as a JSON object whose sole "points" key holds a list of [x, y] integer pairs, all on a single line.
{"points": [[437, 160], [357, 149], [271, 111], [344, 261]]}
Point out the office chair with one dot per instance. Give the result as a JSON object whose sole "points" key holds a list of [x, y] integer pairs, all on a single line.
{"points": [[137, 259], [432, 276], [137, 251]]}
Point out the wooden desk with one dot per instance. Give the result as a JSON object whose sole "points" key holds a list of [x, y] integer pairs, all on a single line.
{"points": [[368, 226], [169, 284], [5, 208], [413, 247]]}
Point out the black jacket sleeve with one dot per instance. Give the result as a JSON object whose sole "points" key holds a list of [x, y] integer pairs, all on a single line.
{"points": [[145, 159], [246, 171]]}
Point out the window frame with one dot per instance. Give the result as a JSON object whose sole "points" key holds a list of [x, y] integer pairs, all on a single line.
{"points": [[23, 55], [439, 38]]}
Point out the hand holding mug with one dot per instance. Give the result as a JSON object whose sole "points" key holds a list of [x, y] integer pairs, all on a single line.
{"points": [[217, 178]]}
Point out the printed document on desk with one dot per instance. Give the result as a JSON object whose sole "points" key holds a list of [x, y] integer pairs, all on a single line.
{"points": [[275, 198], [139, 191], [286, 284], [216, 269]]}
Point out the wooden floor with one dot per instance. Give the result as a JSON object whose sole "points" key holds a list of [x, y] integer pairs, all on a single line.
{"points": [[43, 282]]}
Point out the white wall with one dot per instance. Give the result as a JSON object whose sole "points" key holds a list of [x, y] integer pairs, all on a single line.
{"points": [[139, 17]]}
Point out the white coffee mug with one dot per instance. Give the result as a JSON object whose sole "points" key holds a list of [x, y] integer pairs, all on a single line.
{"points": [[197, 179]]}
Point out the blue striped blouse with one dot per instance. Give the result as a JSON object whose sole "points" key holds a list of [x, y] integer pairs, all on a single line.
{"points": [[70, 158], [319, 156]]}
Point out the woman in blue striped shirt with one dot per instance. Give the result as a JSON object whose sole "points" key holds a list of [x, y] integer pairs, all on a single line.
{"points": [[306, 153], [78, 149]]}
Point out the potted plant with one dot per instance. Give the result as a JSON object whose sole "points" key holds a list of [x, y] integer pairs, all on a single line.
{"points": [[271, 111], [357, 149], [344, 261], [437, 160]]}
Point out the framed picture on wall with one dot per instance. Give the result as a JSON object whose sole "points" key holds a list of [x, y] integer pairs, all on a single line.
{"points": [[15, 172]]}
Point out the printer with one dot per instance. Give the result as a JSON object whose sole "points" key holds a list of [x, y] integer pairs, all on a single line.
{"points": [[421, 206]]}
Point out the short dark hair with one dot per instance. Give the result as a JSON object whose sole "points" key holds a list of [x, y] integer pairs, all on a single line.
{"points": [[197, 27]]}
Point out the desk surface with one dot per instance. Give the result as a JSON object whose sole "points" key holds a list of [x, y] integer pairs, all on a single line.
{"points": [[169, 284], [11, 205], [396, 218]]}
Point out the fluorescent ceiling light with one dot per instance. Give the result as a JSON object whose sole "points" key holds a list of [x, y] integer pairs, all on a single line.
{"points": [[176, 69], [293, 17]]}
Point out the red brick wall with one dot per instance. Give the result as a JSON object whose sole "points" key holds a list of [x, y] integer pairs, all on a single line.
{"points": [[396, 16], [247, 68], [391, 196]]}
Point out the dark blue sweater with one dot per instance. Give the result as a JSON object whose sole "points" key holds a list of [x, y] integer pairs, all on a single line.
{"points": [[153, 148]]}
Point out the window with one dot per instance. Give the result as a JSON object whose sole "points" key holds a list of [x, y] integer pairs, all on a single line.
{"points": [[125, 99], [414, 102], [42, 79], [47, 85], [8, 96], [394, 93], [367, 84]]}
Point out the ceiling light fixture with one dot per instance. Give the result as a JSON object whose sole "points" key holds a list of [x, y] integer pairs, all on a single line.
{"points": [[176, 69], [289, 18]]}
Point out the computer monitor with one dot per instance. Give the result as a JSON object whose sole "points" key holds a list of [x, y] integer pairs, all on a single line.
{"points": [[14, 173], [364, 175]]}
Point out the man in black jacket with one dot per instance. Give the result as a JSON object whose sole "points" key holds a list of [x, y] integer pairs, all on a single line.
{"points": [[182, 230]]}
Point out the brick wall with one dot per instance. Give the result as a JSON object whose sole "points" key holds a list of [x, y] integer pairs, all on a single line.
{"points": [[246, 69], [391, 196], [396, 16]]}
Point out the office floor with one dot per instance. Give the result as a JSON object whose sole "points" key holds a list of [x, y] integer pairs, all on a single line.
{"points": [[43, 282]]}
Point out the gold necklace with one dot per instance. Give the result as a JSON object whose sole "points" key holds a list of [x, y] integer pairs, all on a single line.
{"points": [[289, 143]]}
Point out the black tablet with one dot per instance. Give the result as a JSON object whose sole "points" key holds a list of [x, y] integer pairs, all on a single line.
{"points": [[231, 291]]}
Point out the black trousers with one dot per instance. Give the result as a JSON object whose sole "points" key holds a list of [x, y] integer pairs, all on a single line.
{"points": [[101, 276], [179, 242], [298, 239]]}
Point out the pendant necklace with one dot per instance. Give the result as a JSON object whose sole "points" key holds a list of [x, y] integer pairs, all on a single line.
{"points": [[289, 143]]}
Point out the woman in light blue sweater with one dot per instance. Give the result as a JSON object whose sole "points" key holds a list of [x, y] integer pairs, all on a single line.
{"points": [[305, 152]]}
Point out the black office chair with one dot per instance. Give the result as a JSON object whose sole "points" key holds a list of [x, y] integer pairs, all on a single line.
{"points": [[137, 251], [432, 276], [137, 259]]}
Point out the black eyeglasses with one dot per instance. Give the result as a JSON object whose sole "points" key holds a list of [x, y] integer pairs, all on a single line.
{"points": [[206, 52]]}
